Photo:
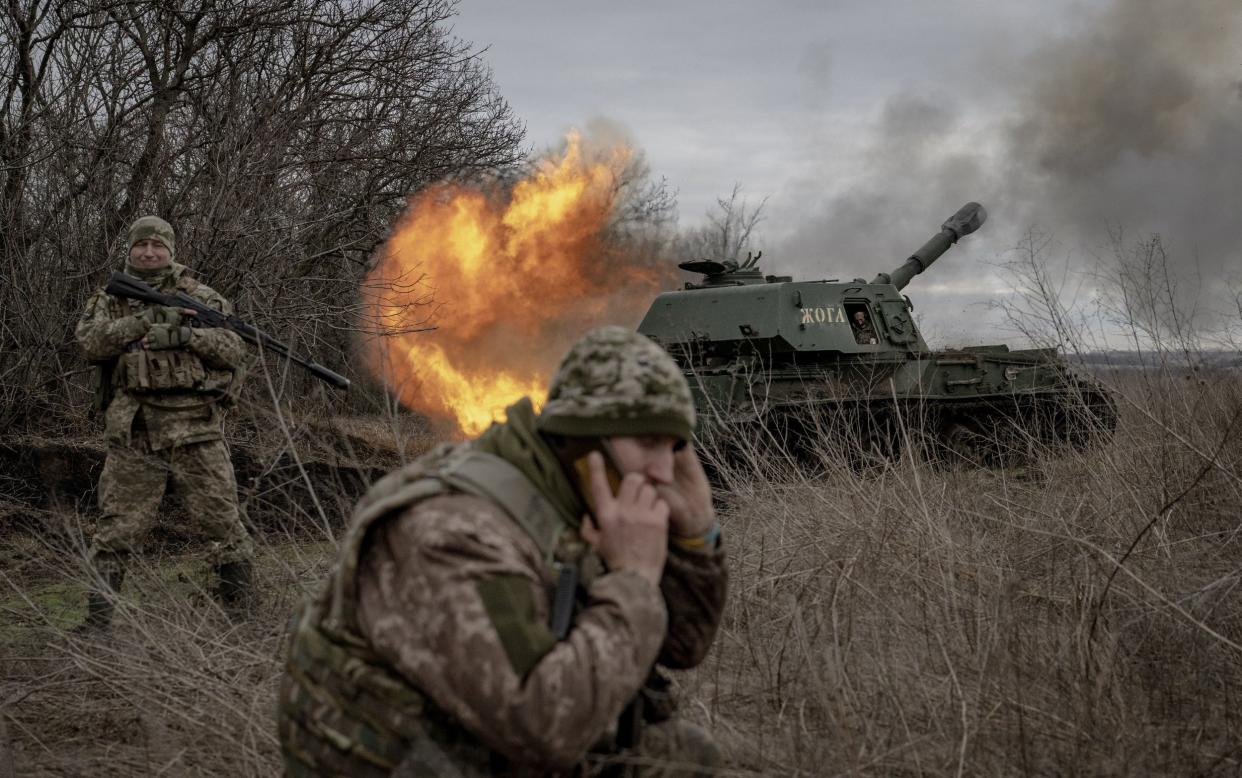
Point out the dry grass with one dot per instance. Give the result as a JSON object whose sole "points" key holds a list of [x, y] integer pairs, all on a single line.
{"points": [[176, 689], [937, 621], [915, 620]]}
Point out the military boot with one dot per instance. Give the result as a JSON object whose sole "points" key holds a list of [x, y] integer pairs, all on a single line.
{"points": [[101, 601], [235, 590]]}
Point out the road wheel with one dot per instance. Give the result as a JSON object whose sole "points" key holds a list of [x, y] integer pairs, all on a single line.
{"points": [[963, 442]]}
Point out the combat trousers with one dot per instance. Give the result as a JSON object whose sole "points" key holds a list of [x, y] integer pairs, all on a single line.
{"points": [[133, 484]]}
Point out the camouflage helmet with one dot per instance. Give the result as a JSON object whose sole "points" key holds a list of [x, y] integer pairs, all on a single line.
{"points": [[615, 381], [153, 228]]}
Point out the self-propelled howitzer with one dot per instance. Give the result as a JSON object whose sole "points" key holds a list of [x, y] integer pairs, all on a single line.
{"points": [[799, 358]]}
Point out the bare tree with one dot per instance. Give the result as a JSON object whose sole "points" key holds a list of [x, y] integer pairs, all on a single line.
{"points": [[728, 231], [1045, 306], [1144, 299], [280, 137]]}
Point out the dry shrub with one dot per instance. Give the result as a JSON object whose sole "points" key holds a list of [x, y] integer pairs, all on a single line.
{"points": [[916, 618], [1076, 615], [936, 620], [176, 688]]}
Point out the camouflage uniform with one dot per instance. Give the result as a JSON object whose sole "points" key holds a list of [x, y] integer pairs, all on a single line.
{"points": [[864, 333], [162, 415], [428, 652]]}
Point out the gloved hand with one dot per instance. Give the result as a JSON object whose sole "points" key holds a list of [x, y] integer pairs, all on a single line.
{"points": [[162, 336], [144, 325], [161, 314]]}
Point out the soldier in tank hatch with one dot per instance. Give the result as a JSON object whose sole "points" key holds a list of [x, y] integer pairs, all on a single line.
{"points": [[162, 387], [864, 333], [499, 607]]}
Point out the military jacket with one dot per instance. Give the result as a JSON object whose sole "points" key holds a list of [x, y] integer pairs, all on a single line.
{"points": [[173, 396], [448, 605], [864, 334]]}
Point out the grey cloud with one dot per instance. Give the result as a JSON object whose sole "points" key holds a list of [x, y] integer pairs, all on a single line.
{"points": [[1135, 120]]}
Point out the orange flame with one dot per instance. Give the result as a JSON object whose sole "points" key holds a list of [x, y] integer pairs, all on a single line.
{"points": [[512, 275]]}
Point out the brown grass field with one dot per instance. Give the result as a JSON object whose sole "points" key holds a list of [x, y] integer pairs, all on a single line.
{"points": [[1080, 615]]}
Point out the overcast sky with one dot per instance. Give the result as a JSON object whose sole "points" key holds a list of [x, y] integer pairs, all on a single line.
{"points": [[867, 124]]}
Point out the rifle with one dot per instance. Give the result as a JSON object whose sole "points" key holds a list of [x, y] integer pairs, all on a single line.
{"points": [[122, 285]]}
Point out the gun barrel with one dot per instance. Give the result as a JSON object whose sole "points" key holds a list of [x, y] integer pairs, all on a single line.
{"points": [[968, 218], [326, 375], [122, 285]]}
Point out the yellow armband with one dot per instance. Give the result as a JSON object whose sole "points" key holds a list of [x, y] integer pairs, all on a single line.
{"points": [[700, 542]]}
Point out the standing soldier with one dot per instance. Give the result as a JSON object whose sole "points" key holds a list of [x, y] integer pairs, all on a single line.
{"points": [[499, 607], [160, 387]]}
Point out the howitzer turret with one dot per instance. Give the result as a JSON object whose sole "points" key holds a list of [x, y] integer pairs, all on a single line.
{"points": [[786, 355], [968, 218]]}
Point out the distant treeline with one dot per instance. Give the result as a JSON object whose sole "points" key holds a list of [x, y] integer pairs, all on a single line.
{"points": [[1202, 360]]}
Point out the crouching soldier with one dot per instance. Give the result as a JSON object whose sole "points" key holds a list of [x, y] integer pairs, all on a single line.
{"points": [[499, 607], [161, 388]]}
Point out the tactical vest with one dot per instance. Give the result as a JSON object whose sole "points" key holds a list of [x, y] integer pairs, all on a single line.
{"points": [[343, 709], [142, 372]]}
